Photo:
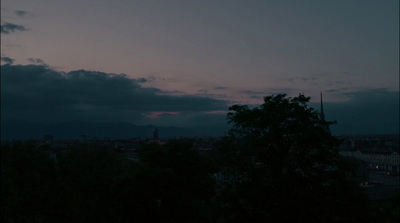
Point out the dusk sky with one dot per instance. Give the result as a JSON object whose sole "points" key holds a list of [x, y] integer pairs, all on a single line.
{"points": [[183, 63]]}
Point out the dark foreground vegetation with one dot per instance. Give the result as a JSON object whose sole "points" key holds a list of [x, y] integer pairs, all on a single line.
{"points": [[277, 165]]}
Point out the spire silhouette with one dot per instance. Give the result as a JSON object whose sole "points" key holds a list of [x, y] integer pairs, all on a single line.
{"points": [[322, 115], [325, 124]]}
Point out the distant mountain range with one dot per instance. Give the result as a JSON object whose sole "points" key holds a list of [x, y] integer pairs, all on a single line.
{"points": [[122, 130]]}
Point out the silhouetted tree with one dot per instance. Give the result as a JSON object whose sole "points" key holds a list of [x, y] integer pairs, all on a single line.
{"points": [[282, 166]]}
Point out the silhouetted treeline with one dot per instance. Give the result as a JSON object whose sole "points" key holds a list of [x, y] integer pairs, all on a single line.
{"points": [[172, 183], [277, 165]]}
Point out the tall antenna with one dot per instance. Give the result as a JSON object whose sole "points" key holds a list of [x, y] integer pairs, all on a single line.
{"points": [[322, 115]]}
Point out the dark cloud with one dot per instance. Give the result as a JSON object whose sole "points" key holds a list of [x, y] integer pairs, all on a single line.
{"points": [[22, 13], [37, 93], [202, 91], [220, 88], [8, 28], [150, 79], [142, 80], [37, 61], [372, 111], [7, 60], [169, 92]]}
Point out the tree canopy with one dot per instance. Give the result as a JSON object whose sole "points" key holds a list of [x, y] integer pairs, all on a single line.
{"points": [[283, 165]]}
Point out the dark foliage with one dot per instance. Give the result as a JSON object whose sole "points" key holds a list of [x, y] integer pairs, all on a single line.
{"points": [[278, 165], [177, 180], [93, 184], [283, 167], [28, 184]]}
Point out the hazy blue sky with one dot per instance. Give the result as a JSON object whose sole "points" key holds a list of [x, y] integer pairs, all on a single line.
{"points": [[184, 62]]}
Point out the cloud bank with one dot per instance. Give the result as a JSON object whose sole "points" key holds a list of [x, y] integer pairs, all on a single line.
{"points": [[22, 13], [8, 28], [39, 94], [7, 60]]}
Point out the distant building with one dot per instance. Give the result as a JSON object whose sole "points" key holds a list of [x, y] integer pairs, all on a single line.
{"points": [[83, 139], [370, 142], [379, 152], [155, 133], [384, 160], [48, 139]]}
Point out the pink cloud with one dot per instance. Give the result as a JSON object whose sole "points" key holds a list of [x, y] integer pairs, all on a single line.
{"points": [[156, 114]]}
